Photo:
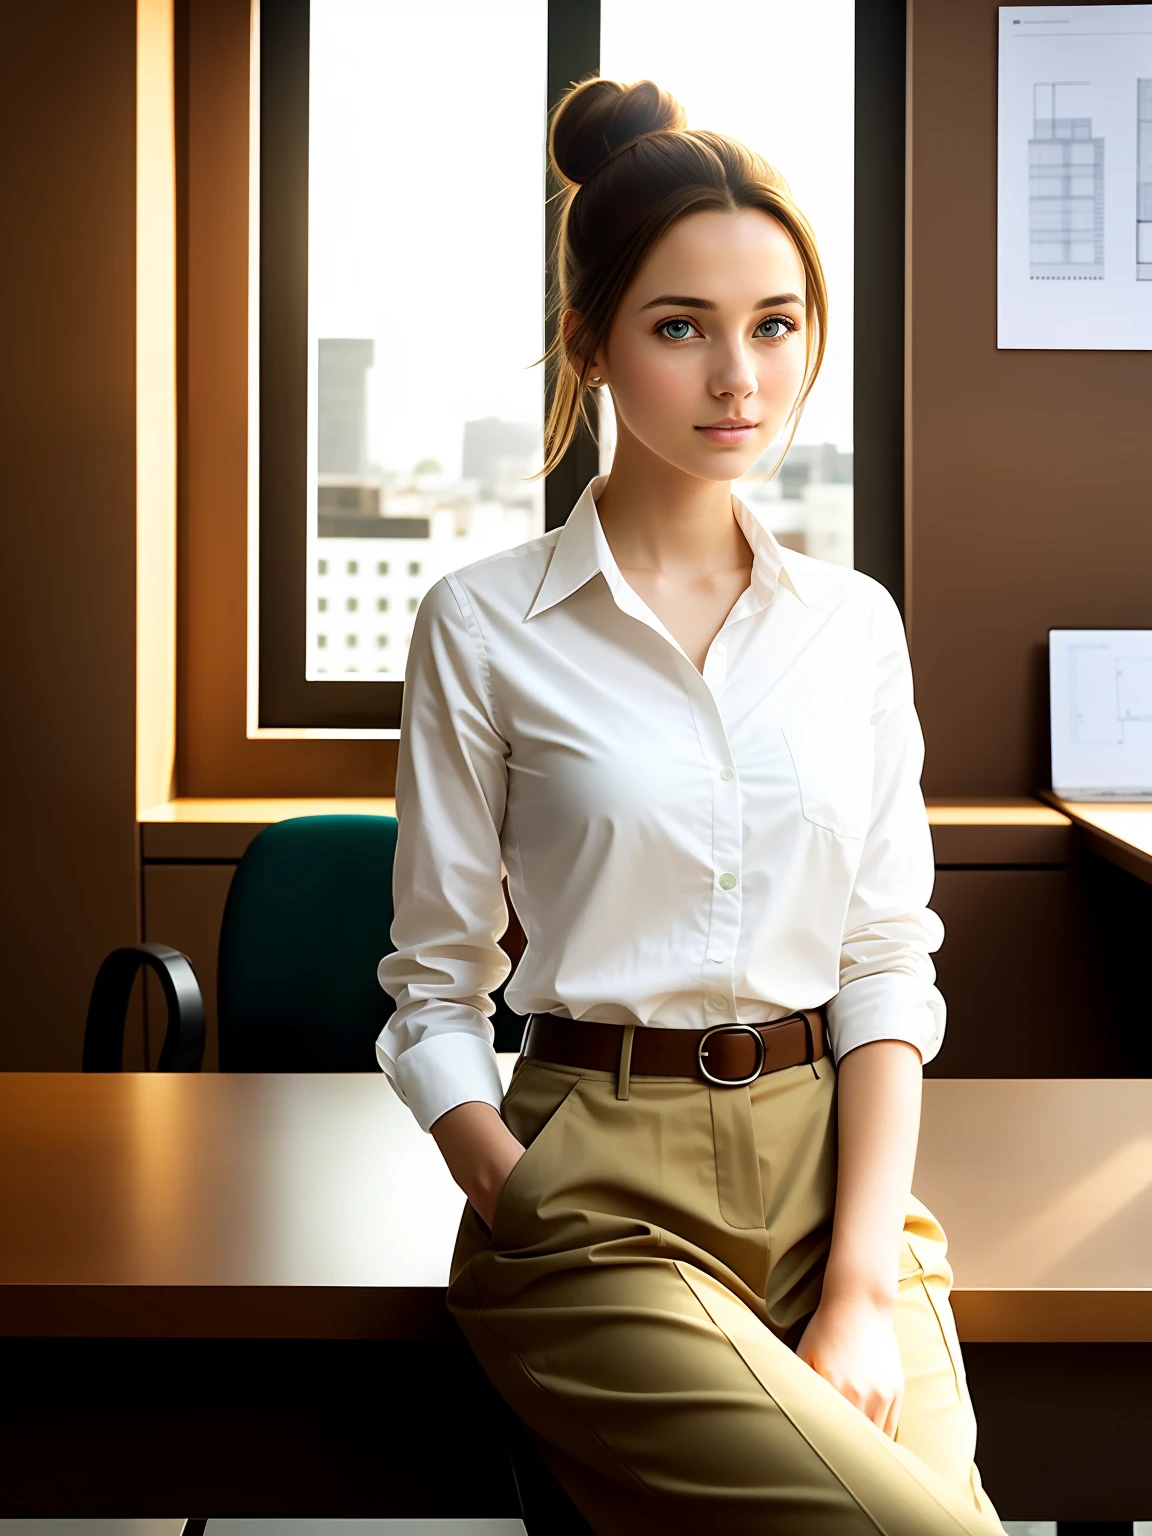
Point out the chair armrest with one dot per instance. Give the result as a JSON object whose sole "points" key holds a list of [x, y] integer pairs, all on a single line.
{"points": [[183, 1049]]}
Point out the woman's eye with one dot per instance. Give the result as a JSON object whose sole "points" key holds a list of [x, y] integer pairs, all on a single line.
{"points": [[683, 335], [782, 327]]}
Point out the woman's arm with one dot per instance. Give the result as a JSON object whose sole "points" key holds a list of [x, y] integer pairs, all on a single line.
{"points": [[480, 1152], [850, 1339], [886, 1020], [437, 1048]]}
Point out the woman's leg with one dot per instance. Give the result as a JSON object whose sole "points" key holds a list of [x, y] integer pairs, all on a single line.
{"points": [[618, 1306], [677, 1410], [937, 1422]]}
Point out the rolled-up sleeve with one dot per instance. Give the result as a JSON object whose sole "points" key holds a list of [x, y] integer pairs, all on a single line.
{"points": [[887, 978], [451, 788]]}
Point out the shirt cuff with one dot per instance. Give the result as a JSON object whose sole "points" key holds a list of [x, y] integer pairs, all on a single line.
{"points": [[887, 1006], [444, 1070]]}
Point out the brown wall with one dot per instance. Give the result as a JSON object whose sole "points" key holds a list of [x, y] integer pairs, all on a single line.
{"points": [[1029, 472], [68, 524]]}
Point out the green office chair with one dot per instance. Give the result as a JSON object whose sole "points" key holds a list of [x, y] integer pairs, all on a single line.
{"points": [[307, 920]]}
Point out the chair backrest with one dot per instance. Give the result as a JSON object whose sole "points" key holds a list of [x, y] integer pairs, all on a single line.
{"points": [[307, 921]]}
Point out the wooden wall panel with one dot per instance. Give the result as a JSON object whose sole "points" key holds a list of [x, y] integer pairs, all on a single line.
{"points": [[1020, 974], [183, 906], [68, 529], [1019, 968], [1027, 472]]}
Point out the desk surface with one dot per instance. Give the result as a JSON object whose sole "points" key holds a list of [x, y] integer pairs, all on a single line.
{"points": [[312, 1206], [1121, 833]]}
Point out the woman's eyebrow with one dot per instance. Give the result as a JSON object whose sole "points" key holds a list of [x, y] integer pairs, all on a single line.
{"points": [[686, 303]]}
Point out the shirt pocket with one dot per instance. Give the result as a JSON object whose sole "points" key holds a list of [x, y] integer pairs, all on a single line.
{"points": [[834, 763]]}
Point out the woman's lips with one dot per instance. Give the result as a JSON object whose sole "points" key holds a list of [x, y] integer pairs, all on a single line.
{"points": [[727, 435]]}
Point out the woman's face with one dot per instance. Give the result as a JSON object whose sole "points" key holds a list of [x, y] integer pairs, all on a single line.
{"points": [[711, 328]]}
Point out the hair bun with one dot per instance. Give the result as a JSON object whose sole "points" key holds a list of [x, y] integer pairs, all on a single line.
{"points": [[598, 117]]}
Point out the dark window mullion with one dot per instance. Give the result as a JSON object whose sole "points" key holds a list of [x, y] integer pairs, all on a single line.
{"points": [[573, 53], [878, 341]]}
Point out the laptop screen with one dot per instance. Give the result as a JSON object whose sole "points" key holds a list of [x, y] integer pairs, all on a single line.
{"points": [[1101, 693]]}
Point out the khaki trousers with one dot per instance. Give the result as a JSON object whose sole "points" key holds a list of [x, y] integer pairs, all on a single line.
{"points": [[653, 1260]]}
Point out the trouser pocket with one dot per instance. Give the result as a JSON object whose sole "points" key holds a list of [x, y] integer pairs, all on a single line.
{"points": [[534, 1110]]}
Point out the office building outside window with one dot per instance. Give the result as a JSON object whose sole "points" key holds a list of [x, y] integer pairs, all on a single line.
{"points": [[426, 308]]}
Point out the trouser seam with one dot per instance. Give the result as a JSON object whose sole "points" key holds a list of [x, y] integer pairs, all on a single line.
{"points": [[852, 1494], [860, 1505], [943, 1332]]}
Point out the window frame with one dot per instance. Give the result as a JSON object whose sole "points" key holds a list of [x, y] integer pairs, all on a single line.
{"points": [[281, 700]]}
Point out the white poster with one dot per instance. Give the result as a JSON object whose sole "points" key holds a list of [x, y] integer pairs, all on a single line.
{"points": [[1074, 186]]}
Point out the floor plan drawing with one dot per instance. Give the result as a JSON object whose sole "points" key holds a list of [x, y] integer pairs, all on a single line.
{"points": [[1144, 180], [1107, 693], [1074, 178], [1100, 683], [1065, 187]]}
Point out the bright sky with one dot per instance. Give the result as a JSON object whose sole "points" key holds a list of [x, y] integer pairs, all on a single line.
{"points": [[426, 177]]}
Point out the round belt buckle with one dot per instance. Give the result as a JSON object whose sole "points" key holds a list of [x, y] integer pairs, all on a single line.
{"points": [[722, 1029]]}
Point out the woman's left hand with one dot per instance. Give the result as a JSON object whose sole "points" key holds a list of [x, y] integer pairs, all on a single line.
{"points": [[851, 1342]]}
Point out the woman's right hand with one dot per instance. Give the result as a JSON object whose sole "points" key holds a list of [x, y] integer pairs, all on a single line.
{"points": [[480, 1152]]}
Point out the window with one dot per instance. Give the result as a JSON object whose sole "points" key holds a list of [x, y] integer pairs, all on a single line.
{"points": [[356, 332]]}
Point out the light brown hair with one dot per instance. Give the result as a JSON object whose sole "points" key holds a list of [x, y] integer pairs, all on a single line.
{"points": [[630, 168]]}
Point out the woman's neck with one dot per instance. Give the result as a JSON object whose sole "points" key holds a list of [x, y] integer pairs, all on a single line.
{"points": [[658, 518]]}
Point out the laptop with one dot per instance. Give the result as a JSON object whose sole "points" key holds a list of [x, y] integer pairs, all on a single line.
{"points": [[1101, 695]]}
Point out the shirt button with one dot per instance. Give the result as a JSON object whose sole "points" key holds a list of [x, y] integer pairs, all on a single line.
{"points": [[716, 1002], [727, 773], [727, 882]]}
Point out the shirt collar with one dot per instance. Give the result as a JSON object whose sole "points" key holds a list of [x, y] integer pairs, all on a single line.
{"points": [[582, 550]]}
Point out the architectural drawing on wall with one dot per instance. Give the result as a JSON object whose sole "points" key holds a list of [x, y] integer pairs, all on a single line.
{"points": [[1107, 693], [1065, 188], [1144, 180]]}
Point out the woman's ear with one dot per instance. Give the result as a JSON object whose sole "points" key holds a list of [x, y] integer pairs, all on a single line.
{"points": [[569, 322]]}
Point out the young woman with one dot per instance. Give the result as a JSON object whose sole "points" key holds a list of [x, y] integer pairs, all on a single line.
{"points": [[690, 1259]]}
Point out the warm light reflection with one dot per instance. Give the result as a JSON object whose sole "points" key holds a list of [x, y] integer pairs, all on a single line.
{"points": [[155, 405], [164, 1177], [1076, 1215], [994, 814]]}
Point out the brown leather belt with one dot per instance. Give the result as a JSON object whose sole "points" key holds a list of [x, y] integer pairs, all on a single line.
{"points": [[729, 1055]]}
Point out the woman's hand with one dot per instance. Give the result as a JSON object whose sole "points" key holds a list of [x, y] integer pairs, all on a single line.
{"points": [[480, 1152], [851, 1342]]}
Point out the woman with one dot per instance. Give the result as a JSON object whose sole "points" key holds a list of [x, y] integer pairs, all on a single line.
{"points": [[705, 1285]]}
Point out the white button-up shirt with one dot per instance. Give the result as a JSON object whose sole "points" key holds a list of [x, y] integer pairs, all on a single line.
{"points": [[682, 848]]}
